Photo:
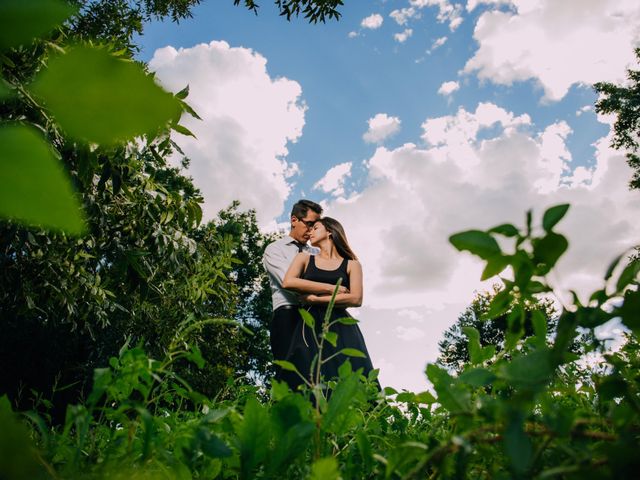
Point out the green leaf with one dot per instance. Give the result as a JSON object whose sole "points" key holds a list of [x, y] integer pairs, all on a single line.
{"points": [[591, 317], [506, 229], [517, 446], [325, 469], [539, 322], [475, 350], [5, 91], [628, 275], [183, 130], [352, 352], [495, 265], [308, 319], [23, 20], [184, 93], [100, 98], [451, 395], [553, 215], [499, 305], [253, 436], [630, 310], [477, 377], [347, 321], [612, 267], [34, 189], [548, 250], [424, 397], [340, 415], [529, 371], [212, 446], [477, 242], [286, 365], [332, 338]]}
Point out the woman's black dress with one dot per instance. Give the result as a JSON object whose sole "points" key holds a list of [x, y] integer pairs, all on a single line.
{"points": [[303, 347]]}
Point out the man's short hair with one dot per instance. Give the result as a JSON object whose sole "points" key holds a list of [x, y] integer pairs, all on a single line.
{"points": [[302, 207]]}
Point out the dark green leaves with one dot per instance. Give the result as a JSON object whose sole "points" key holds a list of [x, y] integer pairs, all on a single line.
{"points": [[23, 20], [34, 188], [548, 250], [477, 242], [100, 98], [553, 215]]}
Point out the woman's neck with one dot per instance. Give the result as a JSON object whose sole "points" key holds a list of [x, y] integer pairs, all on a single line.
{"points": [[328, 250]]}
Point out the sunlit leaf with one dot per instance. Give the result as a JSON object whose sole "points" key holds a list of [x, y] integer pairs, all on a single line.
{"points": [[23, 20], [34, 189], [307, 318], [352, 352], [477, 242], [98, 97], [347, 321], [325, 469], [183, 130], [553, 215], [331, 337], [286, 365]]}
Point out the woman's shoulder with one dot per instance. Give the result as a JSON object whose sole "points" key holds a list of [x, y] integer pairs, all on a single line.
{"points": [[353, 263]]}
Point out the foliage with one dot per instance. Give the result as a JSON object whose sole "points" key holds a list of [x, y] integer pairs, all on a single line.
{"points": [[454, 351], [533, 410], [624, 102], [85, 151], [313, 10]]}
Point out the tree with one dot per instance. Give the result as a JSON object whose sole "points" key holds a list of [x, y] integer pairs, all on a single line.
{"points": [[454, 350], [624, 102]]}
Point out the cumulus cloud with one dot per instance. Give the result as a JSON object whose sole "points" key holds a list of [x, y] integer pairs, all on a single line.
{"points": [[447, 88], [477, 169], [403, 15], [472, 4], [447, 12], [248, 118], [372, 22], [555, 43], [437, 43], [381, 127], [403, 36], [333, 180], [585, 109]]}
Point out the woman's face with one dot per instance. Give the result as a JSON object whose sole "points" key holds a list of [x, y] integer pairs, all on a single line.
{"points": [[318, 233]]}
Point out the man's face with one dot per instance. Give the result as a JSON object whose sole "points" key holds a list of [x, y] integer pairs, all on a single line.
{"points": [[301, 227]]}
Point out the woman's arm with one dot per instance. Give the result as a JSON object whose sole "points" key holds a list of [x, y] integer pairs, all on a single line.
{"points": [[353, 298], [293, 282]]}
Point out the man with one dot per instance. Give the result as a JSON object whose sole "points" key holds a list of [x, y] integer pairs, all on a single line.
{"points": [[276, 260]]}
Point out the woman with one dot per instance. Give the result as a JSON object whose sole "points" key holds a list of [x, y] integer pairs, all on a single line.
{"points": [[335, 261]]}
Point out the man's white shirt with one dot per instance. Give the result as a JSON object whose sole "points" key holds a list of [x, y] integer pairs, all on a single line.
{"points": [[276, 260]]}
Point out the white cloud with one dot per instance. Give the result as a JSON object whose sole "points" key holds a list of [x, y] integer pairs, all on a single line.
{"points": [[403, 36], [478, 169], [409, 334], [403, 15], [247, 120], [372, 22], [472, 4], [333, 180], [556, 43], [586, 108], [447, 11], [352, 34], [381, 127], [437, 43], [447, 88]]}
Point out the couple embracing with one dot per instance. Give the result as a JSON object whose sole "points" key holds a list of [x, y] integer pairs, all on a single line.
{"points": [[304, 268]]}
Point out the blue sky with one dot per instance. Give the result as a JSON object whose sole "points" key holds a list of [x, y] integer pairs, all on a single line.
{"points": [[515, 130]]}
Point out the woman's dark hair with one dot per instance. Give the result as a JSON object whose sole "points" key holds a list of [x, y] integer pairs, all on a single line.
{"points": [[339, 237], [302, 207]]}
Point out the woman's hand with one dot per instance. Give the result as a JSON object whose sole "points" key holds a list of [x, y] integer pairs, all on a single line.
{"points": [[309, 299]]}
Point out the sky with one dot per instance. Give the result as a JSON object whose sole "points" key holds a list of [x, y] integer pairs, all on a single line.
{"points": [[411, 120]]}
